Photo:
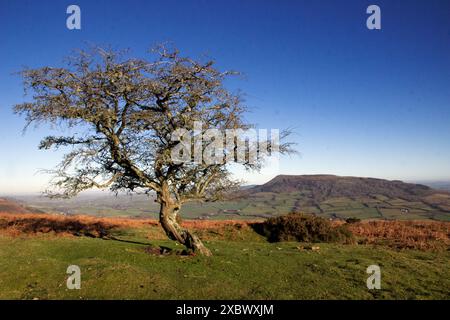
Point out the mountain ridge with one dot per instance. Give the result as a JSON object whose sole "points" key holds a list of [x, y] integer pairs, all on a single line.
{"points": [[325, 186]]}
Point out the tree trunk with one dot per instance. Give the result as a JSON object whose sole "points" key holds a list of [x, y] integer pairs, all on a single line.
{"points": [[168, 219]]}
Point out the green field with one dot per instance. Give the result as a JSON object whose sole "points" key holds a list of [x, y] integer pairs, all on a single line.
{"points": [[34, 267], [258, 205]]}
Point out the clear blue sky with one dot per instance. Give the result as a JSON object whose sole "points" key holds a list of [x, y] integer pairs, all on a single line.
{"points": [[364, 103]]}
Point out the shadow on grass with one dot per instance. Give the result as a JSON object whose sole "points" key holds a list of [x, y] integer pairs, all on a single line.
{"points": [[79, 228], [113, 238], [151, 248]]}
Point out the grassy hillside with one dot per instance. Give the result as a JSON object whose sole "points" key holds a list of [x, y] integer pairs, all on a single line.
{"points": [[244, 266]]}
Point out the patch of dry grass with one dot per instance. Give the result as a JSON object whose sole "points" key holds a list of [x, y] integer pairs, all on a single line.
{"points": [[26, 224], [423, 235]]}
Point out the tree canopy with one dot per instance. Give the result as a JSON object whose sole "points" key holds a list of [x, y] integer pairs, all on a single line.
{"points": [[125, 112]]}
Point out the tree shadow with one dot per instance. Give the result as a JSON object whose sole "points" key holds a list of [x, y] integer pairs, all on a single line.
{"points": [[154, 249], [110, 237]]}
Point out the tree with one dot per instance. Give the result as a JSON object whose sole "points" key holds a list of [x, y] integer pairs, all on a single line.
{"points": [[125, 113]]}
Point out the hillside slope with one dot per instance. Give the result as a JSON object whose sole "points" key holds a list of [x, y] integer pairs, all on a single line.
{"points": [[132, 259], [322, 187], [342, 197], [10, 206]]}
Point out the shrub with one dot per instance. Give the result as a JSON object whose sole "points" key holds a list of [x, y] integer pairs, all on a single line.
{"points": [[304, 228]]}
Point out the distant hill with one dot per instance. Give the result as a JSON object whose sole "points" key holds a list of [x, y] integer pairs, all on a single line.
{"points": [[322, 187], [11, 206], [343, 197]]}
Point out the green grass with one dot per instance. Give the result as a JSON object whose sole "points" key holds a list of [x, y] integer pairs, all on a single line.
{"points": [[35, 267]]}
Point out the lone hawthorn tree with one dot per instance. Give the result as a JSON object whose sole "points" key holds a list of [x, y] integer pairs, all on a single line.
{"points": [[121, 114]]}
